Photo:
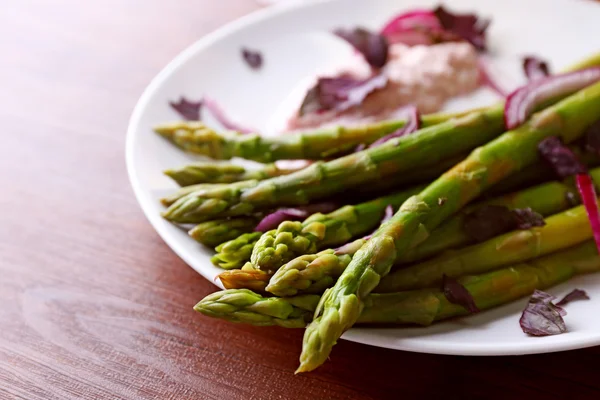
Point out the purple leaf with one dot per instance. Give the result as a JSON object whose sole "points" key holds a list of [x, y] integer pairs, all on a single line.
{"points": [[272, 220], [340, 93], [560, 157], [253, 58], [491, 220], [535, 68], [372, 46], [526, 218], [488, 221], [541, 317], [189, 110], [413, 123], [468, 26], [592, 138], [456, 293], [574, 295]]}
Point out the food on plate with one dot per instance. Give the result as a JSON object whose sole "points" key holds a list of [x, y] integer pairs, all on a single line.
{"points": [[421, 307], [491, 204]]}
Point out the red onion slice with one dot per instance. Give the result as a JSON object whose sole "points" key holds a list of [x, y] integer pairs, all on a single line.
{"points": [[220, 116], [522, 102], [424, 19], [585, 185], [413, 123]]}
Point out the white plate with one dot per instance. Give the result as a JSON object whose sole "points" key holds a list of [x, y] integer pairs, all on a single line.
{"points": [[295, 45]]}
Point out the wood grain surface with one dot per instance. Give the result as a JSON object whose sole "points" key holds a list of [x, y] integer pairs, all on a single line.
{"points": [[94, 305]]}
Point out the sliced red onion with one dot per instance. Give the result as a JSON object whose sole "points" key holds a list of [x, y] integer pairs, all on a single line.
{"points": [[585, 185], [487, 78], [388, 214], [220, 116], [522, 102], [535, 68], [272, 221], [413, 124], [409, 21]]}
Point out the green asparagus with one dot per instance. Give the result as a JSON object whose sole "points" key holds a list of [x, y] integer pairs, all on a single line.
{"points": [[420, 307], [321, 179], [312, 273], [213, 233], [292, 239], [420, 214], [184, 191], [545, 199], [210, 172], [236, 252], [253, 279], [561, 230], [195, 137]]}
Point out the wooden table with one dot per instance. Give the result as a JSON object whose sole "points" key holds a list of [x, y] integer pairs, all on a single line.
{"points": [[94, 304]]}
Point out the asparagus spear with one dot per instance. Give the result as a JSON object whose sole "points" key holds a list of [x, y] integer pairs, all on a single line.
{"points": [[213, 233], [234, 253], [195, 137], [210, 172], [561, 230], [545, 199], [321, 179], [184, 191], [253, 279], [292, 239], [415, 307], [486, 166], [312, 273]]}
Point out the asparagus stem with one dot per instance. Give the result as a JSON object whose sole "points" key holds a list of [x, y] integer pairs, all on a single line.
{"points": [[210, 172], [420, 307], [213, 233]]}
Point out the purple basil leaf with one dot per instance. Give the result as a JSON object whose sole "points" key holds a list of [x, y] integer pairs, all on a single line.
{"points": [[541, 317], [340, 93], [456, 293], [413, 123], [535, 68], [560, 157], [488, 221], [372, 46], [272, 221], [468, 26], [253, 58], [189, 110], [526, 218], [592, 138], [575, 294]]}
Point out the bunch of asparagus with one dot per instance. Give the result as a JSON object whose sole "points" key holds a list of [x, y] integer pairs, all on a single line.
{"points": [[332, 270]]}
